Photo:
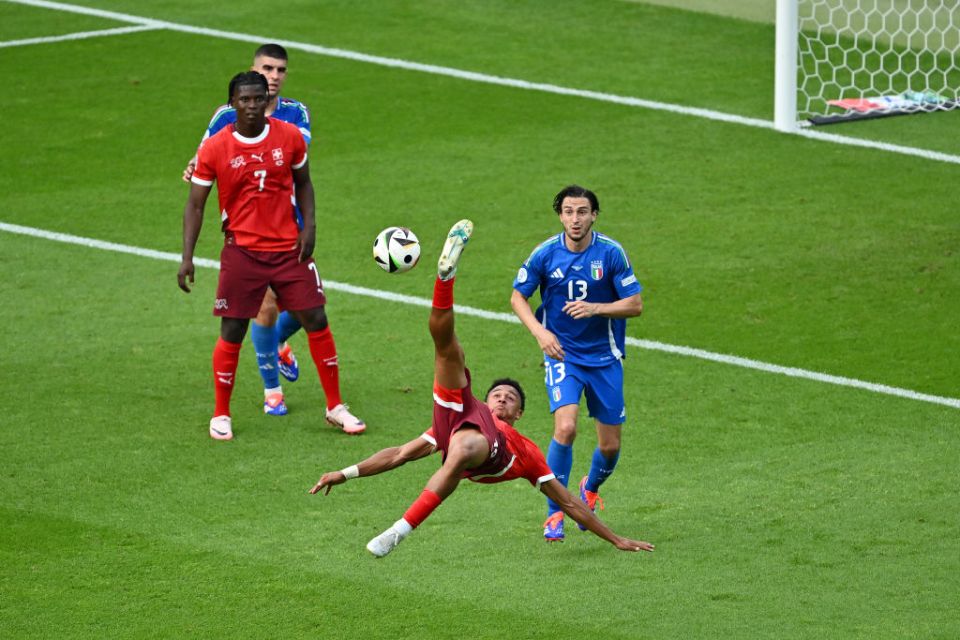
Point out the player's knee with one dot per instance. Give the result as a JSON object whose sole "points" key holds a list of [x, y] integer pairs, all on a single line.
{"points": [[564, 430], [313, 319], [609, 450], [233, 329], [468, 448], [267, 316]]}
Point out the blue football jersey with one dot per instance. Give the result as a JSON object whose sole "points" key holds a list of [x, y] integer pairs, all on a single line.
{"points": [[288, 110], [601, 273]]}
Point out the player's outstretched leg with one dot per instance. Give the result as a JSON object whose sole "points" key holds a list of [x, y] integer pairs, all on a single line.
{"points": [[449, 370]]}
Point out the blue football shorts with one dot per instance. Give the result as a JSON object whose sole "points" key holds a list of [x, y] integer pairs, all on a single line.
{"points": [[567, 382]]}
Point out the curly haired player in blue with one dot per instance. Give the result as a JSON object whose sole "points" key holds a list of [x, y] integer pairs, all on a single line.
{"points": [[272, 328], [587, 291], [476, 439]]}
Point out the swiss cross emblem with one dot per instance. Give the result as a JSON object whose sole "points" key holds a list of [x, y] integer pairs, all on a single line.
{"points": [[278, 156], [596, 269], [237, 162]]}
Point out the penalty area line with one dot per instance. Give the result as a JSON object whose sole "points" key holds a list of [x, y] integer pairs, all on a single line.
{"points": [[81, 35], [649, 345]]}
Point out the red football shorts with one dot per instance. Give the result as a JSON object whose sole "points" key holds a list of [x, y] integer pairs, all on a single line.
{"points": [[245, 276], [454, 408]]}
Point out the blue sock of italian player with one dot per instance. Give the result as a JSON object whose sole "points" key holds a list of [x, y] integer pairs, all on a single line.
{"points": [[287, 325], [265, 343], [600, 469], [560, 460]]}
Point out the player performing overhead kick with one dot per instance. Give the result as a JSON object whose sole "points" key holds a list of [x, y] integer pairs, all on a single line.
{"points": [[476, 440]]}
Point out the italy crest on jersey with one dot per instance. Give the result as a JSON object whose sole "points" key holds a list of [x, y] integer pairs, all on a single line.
{"points": [[596, 269]]}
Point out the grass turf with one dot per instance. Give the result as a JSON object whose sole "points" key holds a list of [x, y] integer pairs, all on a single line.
{"points": [[780, 507]]}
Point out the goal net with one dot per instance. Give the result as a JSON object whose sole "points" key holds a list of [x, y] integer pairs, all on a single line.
{"points": [[855, 59]]}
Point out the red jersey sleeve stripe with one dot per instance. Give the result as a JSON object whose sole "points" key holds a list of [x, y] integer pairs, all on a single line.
{"points": [[301, 163], [546, 478]]}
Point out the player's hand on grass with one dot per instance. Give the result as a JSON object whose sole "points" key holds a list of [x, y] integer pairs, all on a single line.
{"points": [[327, 481], [185, 274], [626, 544]]}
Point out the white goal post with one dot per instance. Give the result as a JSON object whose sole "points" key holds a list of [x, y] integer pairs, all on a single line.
{"points": [[839, 60]]}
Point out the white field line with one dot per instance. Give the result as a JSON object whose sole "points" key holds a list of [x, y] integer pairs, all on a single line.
{"points": [[506, 317], [471, 76], [81, 35]]}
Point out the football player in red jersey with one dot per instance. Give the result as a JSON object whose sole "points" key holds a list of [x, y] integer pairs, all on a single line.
{"points": [[477, 440], [259, 164]]}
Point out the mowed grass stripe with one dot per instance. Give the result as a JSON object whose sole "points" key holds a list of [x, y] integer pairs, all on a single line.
{"points": [[506, 317], [471, 76]]}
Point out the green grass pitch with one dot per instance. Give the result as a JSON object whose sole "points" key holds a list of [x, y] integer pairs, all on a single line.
{"points": [[780, 507]]}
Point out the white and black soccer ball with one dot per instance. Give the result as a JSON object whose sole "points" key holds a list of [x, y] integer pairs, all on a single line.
{"points": [[396, 249]]}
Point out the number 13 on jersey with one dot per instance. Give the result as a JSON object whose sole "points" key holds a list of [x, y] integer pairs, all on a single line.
{"points": [[576, 289], [555, 373]]}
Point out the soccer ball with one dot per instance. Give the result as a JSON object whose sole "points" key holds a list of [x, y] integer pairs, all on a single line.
{"points": [[396, 249]]}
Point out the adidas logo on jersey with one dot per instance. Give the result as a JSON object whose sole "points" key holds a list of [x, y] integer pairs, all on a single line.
{"points": [[557, 274]]}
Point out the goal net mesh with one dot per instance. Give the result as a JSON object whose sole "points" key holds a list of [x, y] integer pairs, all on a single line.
{"points": [[871, 58]]}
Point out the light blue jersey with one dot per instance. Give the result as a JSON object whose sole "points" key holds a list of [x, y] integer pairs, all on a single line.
{"points": [[288, 110], [602, 273]]}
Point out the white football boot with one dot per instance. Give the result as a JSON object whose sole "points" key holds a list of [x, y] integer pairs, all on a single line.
{"points": [[456, 240]]}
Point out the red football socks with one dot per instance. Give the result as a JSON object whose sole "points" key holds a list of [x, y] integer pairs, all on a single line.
{"points": [[324, 353], [225, 358], [422, 507], [443, 293]]}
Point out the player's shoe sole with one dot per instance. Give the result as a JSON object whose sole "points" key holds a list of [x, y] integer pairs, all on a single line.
{"points": [[341, 417], [553, 528], [589, 498], [287, 363], [452, 249], [273, 405], [384, 543], [221, 428]]}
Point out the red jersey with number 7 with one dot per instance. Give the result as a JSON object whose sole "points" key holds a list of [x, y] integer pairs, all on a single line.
{"points": [[254, 179]]}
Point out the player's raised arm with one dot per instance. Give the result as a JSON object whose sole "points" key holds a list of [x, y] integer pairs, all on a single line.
{"points": [[192, 223], [579, 512], [383, 460]]}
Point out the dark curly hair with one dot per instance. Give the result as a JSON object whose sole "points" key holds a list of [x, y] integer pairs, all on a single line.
{"points": [[576, 191], [243, 79]]}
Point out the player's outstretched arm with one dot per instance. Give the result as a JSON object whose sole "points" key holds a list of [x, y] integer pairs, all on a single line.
{"points": [[579, 512], [383, 460], [192, 222], [548, 342]]}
